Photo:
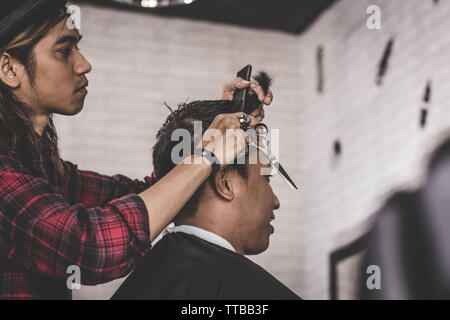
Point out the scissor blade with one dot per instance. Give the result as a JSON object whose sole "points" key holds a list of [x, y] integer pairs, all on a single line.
{"points": [[286, 177], [284, 174], [276, 164]]}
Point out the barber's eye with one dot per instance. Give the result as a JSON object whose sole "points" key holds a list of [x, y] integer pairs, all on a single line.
{"points": [[66, 51]]}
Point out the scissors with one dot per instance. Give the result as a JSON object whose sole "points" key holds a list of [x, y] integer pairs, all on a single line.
{"points": [[262, 144]]}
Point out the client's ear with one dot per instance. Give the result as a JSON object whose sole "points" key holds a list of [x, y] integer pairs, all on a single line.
{"points": [[223, 183]]}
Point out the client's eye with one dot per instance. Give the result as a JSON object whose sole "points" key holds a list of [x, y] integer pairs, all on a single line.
{"points": [[268, 177]]}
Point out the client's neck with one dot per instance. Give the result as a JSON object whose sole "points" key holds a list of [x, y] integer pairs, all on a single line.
{"points": [[213, 219]]}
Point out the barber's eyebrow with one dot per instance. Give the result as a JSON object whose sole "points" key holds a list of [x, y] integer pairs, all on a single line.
{"points": [[70, 39]]}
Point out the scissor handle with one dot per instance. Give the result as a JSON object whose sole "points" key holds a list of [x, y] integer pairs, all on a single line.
{"points": [[259, 134], [262, 125]]}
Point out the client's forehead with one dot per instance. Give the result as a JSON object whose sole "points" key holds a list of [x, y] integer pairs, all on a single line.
{"points": [[258, 160]]}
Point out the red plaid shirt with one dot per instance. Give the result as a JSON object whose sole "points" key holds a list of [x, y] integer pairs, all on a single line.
{"points": [[86, 219]]}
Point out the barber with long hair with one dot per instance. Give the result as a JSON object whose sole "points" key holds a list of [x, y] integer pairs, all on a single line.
{"points": [[53, 215]]}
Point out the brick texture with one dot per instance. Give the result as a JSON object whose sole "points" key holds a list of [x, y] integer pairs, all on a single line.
{"points": [[383, 146]]}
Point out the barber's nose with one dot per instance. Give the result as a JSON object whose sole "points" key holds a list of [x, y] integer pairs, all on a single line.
{"points": [[82, 66], [276, 204]]}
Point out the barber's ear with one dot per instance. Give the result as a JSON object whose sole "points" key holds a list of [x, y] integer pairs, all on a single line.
{"points": [[11, 71], [223, 184]]}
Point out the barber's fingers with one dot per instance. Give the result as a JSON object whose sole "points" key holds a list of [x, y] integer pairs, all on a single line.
{"points": [[235, 145], [226, 137], [227, 147], [269, 97], [240, 83], [259, 112], [223, 122], [230, 87], [262, 97], [259, 91], [253, 120]]}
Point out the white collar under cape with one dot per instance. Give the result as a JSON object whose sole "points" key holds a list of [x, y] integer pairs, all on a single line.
{"points": [[202, 234]]}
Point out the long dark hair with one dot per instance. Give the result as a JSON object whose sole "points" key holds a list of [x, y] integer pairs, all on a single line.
{"points": [[16, 118]]}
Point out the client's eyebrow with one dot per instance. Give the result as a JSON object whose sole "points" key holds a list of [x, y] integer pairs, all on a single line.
{"points": [[69, 38]]}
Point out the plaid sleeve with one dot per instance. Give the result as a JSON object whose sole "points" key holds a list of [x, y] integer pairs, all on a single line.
{"points": [[93, 189], [42, 232]]}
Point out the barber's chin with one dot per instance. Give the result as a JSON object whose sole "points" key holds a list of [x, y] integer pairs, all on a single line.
{"points": [[73, 109]]}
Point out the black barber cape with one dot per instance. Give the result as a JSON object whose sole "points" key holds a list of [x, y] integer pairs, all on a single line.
{"points": [[184, 267]]}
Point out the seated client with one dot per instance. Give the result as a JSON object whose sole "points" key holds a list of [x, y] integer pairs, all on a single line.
{"points": [[203, 255]]}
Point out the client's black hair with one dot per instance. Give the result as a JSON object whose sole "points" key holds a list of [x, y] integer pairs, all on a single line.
{"points": [[264, 80], [183, 118], [251, 100]]}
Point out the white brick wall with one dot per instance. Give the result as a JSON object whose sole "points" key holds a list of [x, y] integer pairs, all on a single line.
{"points": [[383, 146], [140, 61]]}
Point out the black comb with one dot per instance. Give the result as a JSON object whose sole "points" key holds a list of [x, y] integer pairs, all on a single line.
{"points": [[240, 95]]}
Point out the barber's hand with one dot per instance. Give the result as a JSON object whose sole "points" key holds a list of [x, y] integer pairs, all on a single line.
{"points": [[229, 88], [218, 138]]}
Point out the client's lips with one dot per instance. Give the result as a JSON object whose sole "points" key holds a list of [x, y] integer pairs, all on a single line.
{"points": [[83, 87], [272, 217]]}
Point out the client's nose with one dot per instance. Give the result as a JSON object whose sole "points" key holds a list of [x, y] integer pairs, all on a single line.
{"points": [[276, 204]]}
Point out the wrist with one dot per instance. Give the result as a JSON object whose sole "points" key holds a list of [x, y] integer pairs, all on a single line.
{"points": [[199, 162], [209, 157]]}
